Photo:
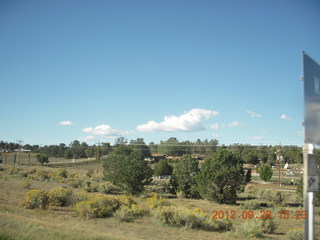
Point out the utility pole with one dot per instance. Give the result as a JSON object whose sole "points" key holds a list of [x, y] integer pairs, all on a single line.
{"points": [[279, 159], [19, 150]]}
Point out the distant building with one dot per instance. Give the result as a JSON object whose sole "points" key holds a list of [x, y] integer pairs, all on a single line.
{"points": [[22, 150], [156, 157]]}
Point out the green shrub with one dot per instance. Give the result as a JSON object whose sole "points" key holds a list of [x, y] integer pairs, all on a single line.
{"points": [[97, 206], [274, 196], [295, 234], [125, 200], [268, 225], [89, 173], [90, 186], [156, 201], [250, 205], [256, 227], [107, 188], [42, 158], [269, 195], [251, 229], [80, 196], [124, 214], [251, 189], [61, 173], [165, 214], [138, 211], [36, 199], [75, 182], [128, 214], [190, 218], [217, 225], [23, 173], [41, 175], [60, 197]]}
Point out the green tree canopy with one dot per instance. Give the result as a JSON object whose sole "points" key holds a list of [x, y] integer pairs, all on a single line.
{"points": [[42, 158], [127, 169], [221, 176], [184, 176], [163, 168], [265, 172], [140, 145]]}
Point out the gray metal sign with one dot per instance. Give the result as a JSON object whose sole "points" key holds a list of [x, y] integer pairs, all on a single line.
{"points": [[311, 169], [311, 74]]}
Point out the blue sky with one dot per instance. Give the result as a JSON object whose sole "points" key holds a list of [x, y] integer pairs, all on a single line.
{"points": [[97, 70]]}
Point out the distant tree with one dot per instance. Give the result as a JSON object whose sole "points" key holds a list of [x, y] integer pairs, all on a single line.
{"points": [[90, 151], [105, 148], [250, 156], [126, 168], [171, 147], [262, 153], [140, 145], [120, 141], [78, 149], [265, 172], [196, 147], [75, 148], [248, 176], [54, 151], [153, 147], [61, 150], [27, 146], [163, 168], [68, 153], [271, 156], [211, 147], [220, 177], [42, 158], [184, 176]]}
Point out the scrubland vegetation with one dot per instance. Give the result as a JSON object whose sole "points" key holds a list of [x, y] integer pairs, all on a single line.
{"points": [[77, 204], [117, 198]]}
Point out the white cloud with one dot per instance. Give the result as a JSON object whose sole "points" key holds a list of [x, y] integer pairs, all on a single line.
{"points": [[216, 135], [285, 117], [253, 114], [256, 138], [187, 122], [66, 123], [215, 126], [105, 130], [235, 124], [87, 138]]}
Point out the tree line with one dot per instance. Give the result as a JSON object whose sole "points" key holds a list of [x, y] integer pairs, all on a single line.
{"points": [[219, 178], [172, 147]]}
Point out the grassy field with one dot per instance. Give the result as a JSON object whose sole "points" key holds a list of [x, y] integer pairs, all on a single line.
{"points": [[16, 222]]}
